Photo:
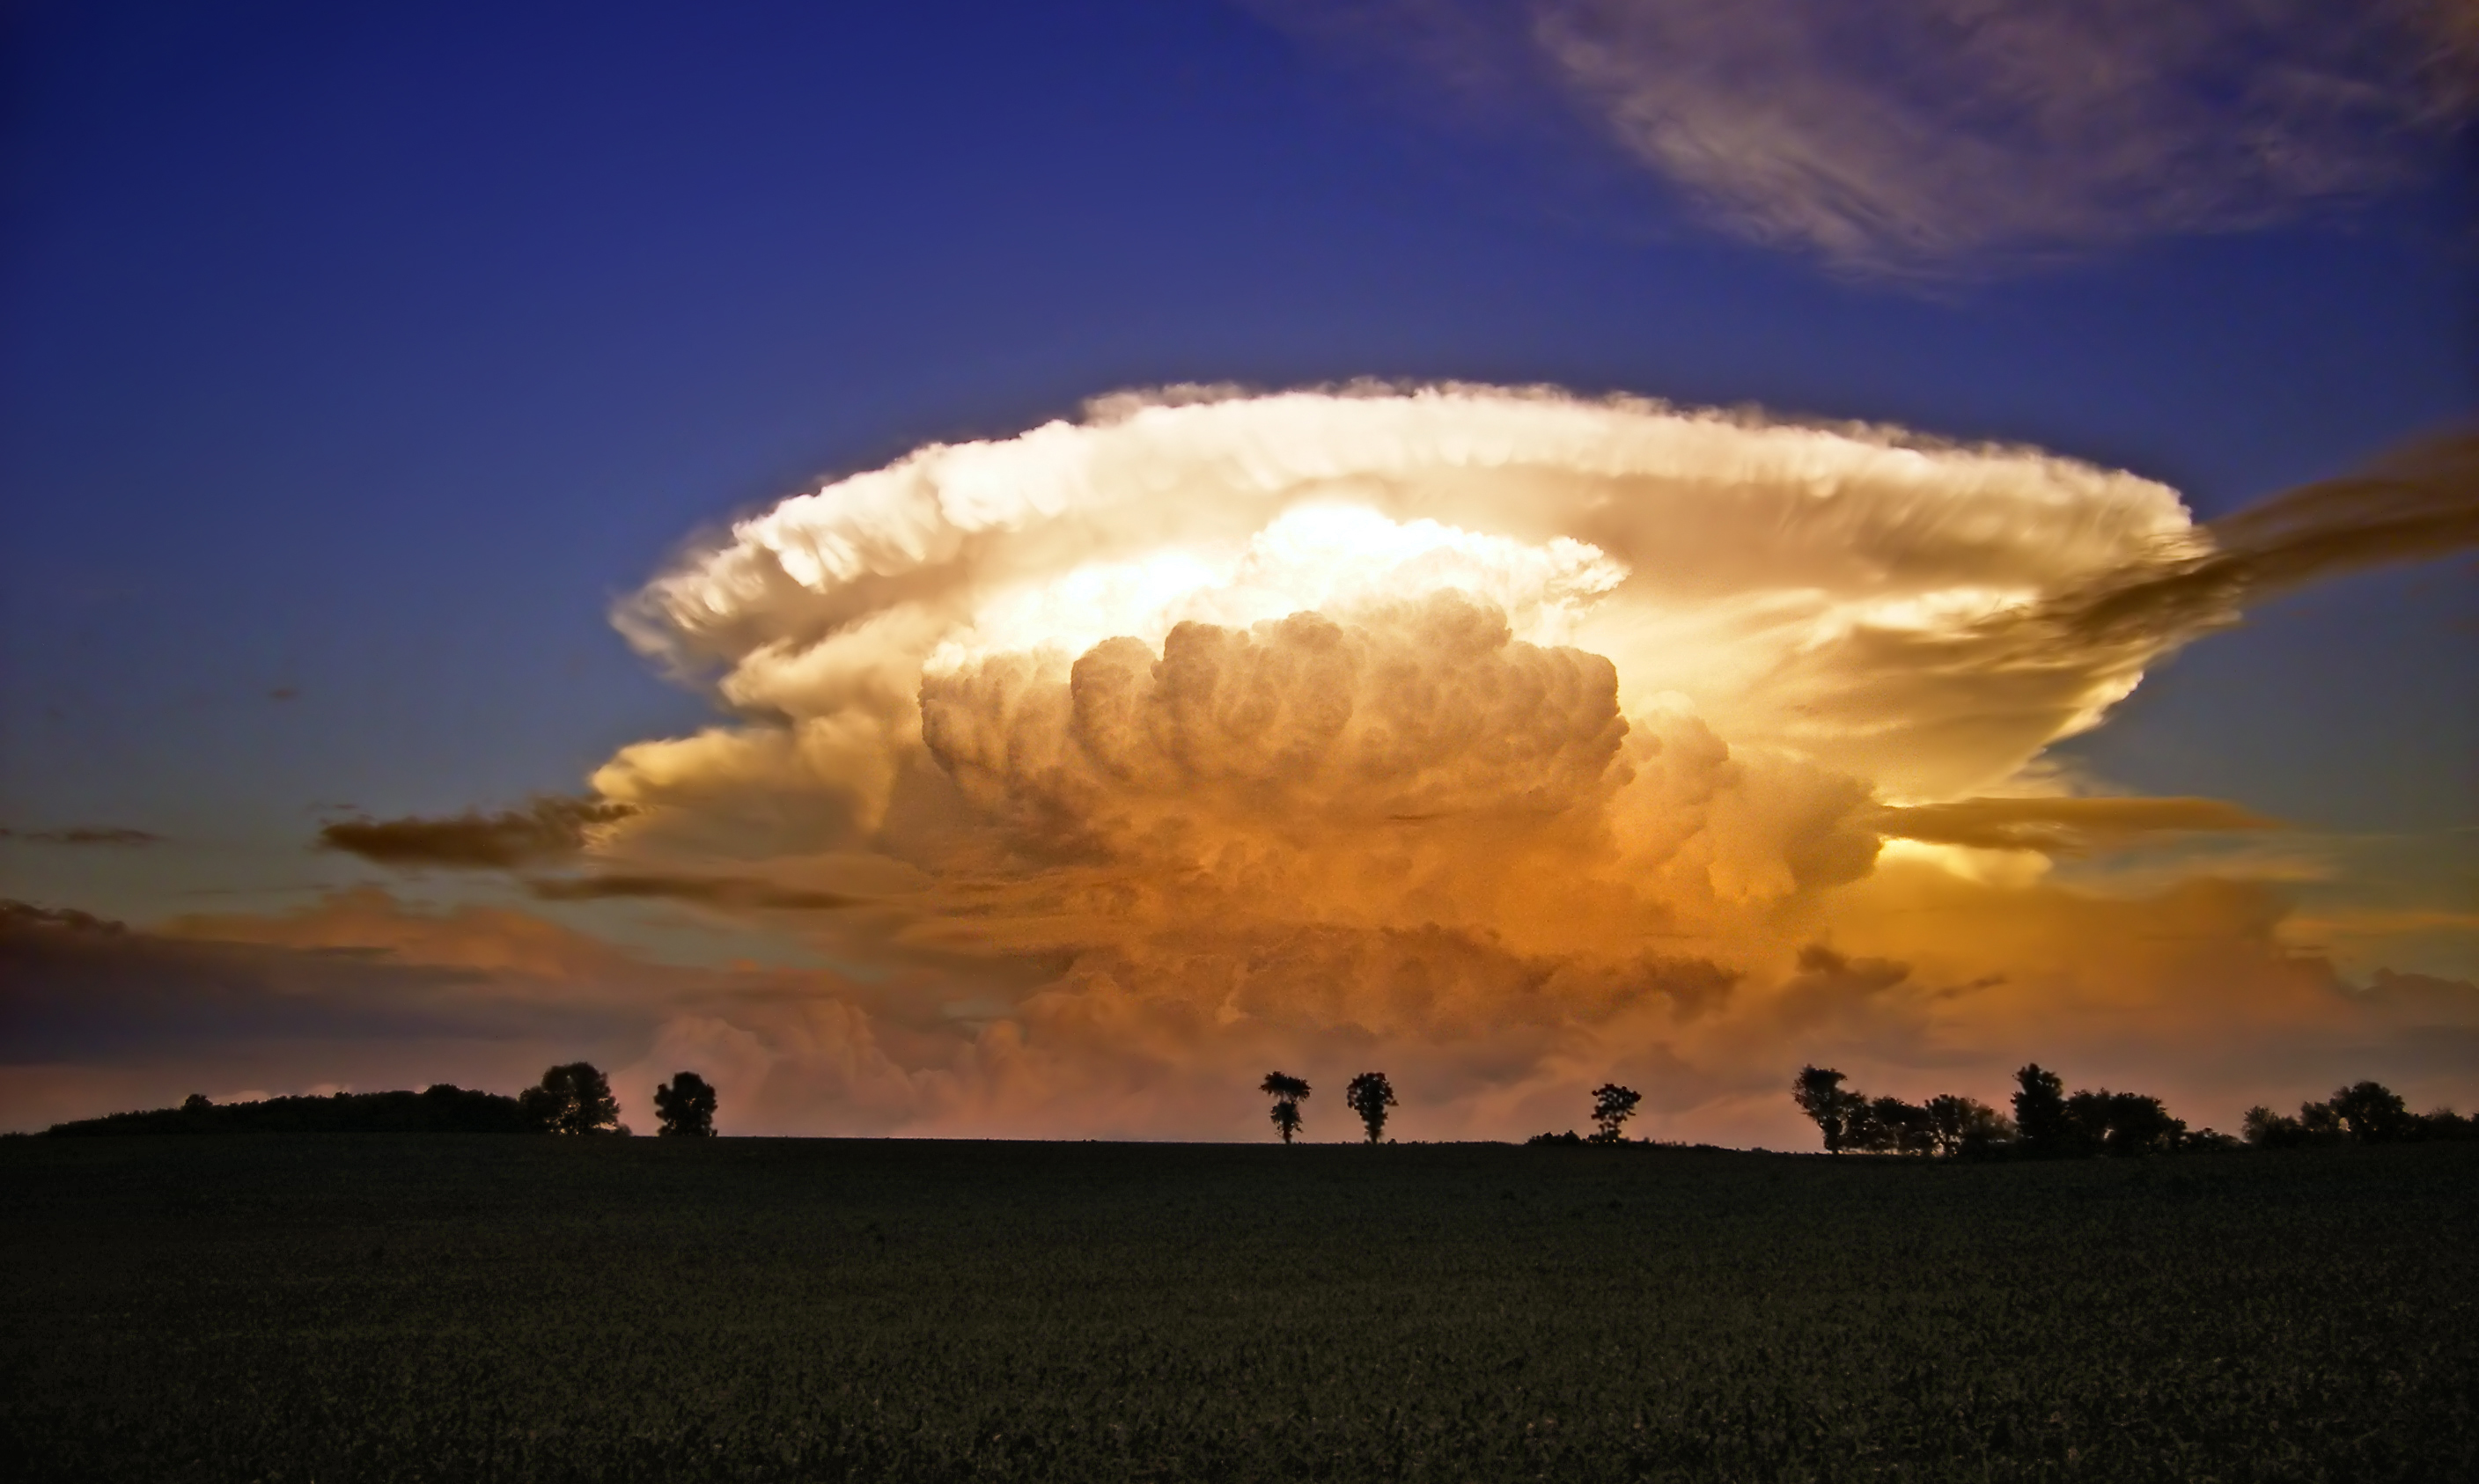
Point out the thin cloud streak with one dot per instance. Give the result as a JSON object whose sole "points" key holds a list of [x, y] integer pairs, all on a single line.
{"points": [[84, 835], [547, 830], [2060, 825], [2415, 503], [712, 891]]}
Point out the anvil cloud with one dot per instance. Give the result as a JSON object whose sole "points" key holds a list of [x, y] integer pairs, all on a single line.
{"points": [[1513, 738]]}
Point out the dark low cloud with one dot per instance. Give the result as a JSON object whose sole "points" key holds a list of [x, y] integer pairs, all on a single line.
{"points": [[548, 829], [84, 834], [2059, 827], [2417, 503], [75, 987], [709, 890]]}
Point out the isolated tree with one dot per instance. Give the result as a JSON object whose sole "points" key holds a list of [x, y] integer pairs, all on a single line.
{"points": [[1289, 1092], [572, 1099], [1369, 1095], [2040, 1117], [1820, 1094], [1612, 1106], [686, 1106]]}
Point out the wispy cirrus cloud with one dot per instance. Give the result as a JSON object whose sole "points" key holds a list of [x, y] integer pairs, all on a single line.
{"points": [[1925, 136]]}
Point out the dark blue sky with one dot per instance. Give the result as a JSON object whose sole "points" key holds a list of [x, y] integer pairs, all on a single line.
{"points": [[366, 354]]}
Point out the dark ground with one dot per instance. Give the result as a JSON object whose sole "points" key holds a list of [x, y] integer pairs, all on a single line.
{"points": [[350, 1307]]}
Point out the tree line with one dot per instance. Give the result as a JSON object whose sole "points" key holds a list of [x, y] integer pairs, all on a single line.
{"points": [[573, 1098], [2049, 1122]]}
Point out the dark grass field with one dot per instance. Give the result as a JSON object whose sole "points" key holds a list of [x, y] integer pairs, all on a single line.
{"points": [[470, 1308]]}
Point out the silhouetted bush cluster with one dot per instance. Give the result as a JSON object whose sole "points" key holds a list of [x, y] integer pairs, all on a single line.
{"points": [[2368, 1112], [442, 1109], [1612, 1106], [573, 1098], [2048, 1121]]}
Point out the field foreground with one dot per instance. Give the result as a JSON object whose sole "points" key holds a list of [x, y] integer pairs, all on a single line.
{"points": [[473, 1308]]}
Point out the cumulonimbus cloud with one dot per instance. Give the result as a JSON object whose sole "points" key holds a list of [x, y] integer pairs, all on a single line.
{"points": [[1521, 738], [1911, 134], [1509, 741]]}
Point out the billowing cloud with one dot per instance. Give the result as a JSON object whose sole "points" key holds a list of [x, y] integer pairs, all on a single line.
{"points": [[1508, 740], [547, 830], [1911, 134]]}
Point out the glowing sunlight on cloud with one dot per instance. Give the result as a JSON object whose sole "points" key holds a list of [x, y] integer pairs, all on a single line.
{"points": [[1513, 738]]}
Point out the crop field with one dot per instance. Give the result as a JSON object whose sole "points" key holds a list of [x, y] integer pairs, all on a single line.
{"points": [[346, 1307]]}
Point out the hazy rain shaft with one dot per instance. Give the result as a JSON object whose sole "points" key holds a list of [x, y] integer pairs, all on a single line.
{"points": [[1508, 739]]}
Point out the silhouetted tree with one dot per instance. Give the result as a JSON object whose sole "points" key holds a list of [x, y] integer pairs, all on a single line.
{"points": [[686, 1106], [2120, 1123], [2040, 1120], [572, 1099], [2444, 1124], [2373, 1114], [1962, 1125], [2268, 1130], [1287, 1093], [2320, 1124], [1370, 1095], [1820, 1094], [1896, 1127], [1612, 1106]]}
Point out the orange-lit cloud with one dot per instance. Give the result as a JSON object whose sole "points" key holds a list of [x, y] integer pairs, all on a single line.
{"points": [[1506, 741], [1510, 739], [2059, 826]]}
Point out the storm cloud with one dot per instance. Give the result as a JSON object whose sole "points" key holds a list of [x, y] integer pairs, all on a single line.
{"points": [[1517, 738]]}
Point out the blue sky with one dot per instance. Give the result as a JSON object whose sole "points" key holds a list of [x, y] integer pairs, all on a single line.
{"points": [[357, 360]]}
